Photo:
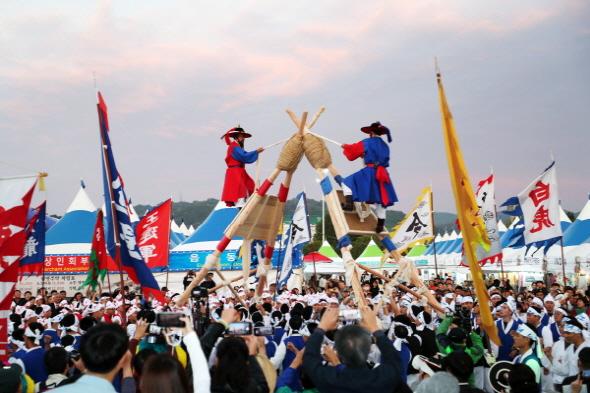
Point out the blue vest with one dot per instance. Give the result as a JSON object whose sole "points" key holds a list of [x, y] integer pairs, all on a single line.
{"points": [[506, 339], [35, 364], [554, 331], [406, 356]]}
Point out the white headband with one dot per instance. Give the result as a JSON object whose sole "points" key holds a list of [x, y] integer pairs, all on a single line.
{"points": [[37, 335]]}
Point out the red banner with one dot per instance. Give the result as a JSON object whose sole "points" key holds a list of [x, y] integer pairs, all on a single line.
{"points": [[66, 263], [153, 235]]}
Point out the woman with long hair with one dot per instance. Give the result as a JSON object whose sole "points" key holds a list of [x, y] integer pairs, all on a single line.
{"points": [[163, 374], [237, 369]]}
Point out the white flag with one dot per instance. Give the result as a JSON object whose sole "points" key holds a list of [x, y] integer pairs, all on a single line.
{"points": [[298, 234], [416, 225], [486, 201], [540, 208]]}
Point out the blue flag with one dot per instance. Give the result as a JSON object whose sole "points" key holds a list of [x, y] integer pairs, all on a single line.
{"points": [[34, 252], [131, 260], [298, 235]]}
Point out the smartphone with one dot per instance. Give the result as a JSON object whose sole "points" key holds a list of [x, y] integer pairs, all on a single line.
{"points": [[169, 319], [240, 329], [264, 330]]}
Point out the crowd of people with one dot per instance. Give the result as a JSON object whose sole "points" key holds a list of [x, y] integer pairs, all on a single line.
{"points": [[317, 339]]}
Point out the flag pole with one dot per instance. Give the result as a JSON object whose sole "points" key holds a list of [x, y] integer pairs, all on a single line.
{"points": [[433, 231], [107, 167], [562, 260]]}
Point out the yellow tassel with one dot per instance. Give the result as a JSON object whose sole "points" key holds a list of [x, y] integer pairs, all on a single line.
{"points": [[41, 177]]}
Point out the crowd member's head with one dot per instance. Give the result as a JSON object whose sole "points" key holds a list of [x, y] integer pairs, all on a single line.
{"points": [[103, 349], [10, 378], [505, 311], [534, 315], [573, 331], [522, 379], [459, 364], [524, 338], [140, 359], [163, 374], [33, 334], [353, 344], [231, 368], [441, 382], [56, 360]]}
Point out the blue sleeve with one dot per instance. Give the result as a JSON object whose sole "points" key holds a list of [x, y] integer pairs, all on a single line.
{"points": [[244, 156], [289, 377]]}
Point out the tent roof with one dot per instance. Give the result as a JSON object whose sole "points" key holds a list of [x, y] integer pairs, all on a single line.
{"points": [[417, 250], [174, 227], [327, 250], [372, 250], [208, 234], [73, 233], [184, 229], [579, 230], [81, 202]]}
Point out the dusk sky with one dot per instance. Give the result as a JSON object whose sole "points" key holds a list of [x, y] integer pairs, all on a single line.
{"points": [[177, 74]]}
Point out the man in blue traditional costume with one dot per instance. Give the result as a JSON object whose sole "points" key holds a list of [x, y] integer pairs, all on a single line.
{"points": [[371, 184]]}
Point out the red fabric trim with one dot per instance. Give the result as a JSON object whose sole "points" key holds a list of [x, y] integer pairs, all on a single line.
{"points": [[221, 246], [264, 187], [268, 252], [283, 192]]}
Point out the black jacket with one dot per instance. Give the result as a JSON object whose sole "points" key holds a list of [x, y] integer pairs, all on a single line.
{"points": [[384, 378]]}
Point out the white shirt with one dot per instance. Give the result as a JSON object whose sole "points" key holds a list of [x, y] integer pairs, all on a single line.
{"points": [[559, 369], [572, 357]]}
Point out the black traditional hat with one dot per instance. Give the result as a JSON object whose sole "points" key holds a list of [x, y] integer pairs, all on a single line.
{"points": [[378, 129], [234, 133]]}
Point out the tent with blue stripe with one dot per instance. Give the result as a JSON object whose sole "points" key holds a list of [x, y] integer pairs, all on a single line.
{"points": [[72, 234]]}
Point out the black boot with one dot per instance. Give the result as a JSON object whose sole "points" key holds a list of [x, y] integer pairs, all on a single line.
{"points": [[348, 205], [380, 225]]}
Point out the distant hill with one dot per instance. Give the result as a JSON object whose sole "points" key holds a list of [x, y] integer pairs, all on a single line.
{"points": [[195, 212]]}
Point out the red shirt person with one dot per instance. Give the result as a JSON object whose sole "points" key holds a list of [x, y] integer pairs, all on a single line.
{"points": [[238, 184]]}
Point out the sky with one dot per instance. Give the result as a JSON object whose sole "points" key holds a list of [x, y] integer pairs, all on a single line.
{"points": [[177, 74]]}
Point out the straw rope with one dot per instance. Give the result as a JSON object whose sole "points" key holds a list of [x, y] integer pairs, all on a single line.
{"points": [[316, 151], [291, 154]]}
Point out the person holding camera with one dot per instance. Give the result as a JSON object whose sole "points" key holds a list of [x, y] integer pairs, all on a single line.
{"points": [[353, 344]]}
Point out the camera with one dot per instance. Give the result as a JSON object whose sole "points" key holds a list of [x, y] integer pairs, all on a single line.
{"points": [[350, 315], [169, 319], [264, 330], [240, 329], [199, 292]]}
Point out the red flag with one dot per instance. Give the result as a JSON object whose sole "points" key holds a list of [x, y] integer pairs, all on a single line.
{"points": [[14, 205], [153, 235]]}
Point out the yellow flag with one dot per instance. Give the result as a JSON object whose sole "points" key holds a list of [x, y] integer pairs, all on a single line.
{"points": [[472, 225], [422, 207]]}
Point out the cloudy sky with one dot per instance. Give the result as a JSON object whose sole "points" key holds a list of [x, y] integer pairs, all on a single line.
{"points": [[177, 74]]}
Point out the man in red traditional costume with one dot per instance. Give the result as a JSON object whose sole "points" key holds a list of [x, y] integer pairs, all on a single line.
{"points": [[371, 184], [238, 184]]}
